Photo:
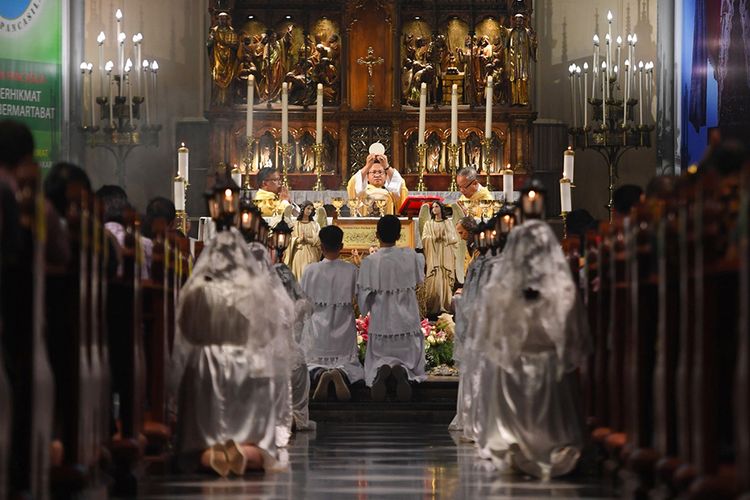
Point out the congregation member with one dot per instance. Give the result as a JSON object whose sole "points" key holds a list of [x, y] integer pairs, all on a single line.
{"points": [[386, 289], [533, 330], [272, 197], [371, 184], [330, 336]]}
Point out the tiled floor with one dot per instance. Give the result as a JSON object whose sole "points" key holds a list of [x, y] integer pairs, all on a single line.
{"points": [[371, 461]]}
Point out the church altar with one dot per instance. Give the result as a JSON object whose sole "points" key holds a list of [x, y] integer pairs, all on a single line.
{"points": [[359, 233]]}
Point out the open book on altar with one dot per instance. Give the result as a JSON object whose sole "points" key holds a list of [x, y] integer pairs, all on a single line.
{"points": [[411, 205]]}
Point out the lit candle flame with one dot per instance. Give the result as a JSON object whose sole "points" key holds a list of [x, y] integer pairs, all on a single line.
{"points": [[118, 15], [532, 195], [100, 39], [228, 194]]}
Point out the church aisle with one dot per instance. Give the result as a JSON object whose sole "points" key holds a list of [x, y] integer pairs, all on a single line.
{"points": [[366, 461]]}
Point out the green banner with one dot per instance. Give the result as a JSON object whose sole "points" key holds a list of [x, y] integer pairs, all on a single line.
{"points": [[31, 71]]}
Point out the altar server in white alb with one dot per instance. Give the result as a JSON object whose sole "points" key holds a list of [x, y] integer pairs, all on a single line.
{"points": [[330, 336], [532, 327], [387, 290]]}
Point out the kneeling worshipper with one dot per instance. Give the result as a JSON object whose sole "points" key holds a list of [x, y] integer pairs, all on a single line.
{"points": [[330, 336], [272, 198], [368, 186], [300, 382], [532, 327], [386, 289], [465, 354], [225, 360]]}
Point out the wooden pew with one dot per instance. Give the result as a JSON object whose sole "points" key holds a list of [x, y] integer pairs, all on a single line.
{"points": [[24, 346], [640, 355], [668, 345], [592, 296], [742, 376], [124, 319], [5, 389], [69, 329]]}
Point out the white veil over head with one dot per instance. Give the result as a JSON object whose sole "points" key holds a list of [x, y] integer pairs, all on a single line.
{"points": [[512, 320], [225, 301]]}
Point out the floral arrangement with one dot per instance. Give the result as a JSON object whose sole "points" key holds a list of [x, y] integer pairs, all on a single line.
{"points": [[438, 339]]}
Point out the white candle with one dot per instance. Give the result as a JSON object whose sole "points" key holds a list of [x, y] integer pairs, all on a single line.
{"points": [[595, 80], [121, 56], [145, 90], [488, 111], [118, 19], [569, 158], [284, 113], [137, 38], [83, 67], [565, 196], [640, 92], [619, 48], [604, 85], [607, 73], [571, 72], [92, 98], [100, 40], [632, 64], [454, 114], [110, 99], [579, 95], [179, 195], [422, 112], [319, 116], [154, 70], [626, 95], [594, 86], [183, 159], [130, 93], [610, 17], [585, 94], [250, 101], [508, 184]]}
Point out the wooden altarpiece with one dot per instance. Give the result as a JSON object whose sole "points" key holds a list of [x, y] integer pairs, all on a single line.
{"points": [[304, 42]]}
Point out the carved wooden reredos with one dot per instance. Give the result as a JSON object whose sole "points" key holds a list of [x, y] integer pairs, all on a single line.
{"points": [[439, 42]]}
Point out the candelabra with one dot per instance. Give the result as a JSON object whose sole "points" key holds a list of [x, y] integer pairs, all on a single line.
{"points": [[318, 152], [422, 165], [487, 149], [286, 157], [122, 101], [453, 165]]}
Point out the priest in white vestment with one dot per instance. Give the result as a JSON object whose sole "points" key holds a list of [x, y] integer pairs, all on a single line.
{"points": [[386, 289], [225, 360], [377, 180], [532, 327], [330, 336]]}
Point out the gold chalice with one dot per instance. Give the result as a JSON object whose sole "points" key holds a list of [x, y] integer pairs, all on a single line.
{"points": [[337, 203], [381, 204], [353, 206]]}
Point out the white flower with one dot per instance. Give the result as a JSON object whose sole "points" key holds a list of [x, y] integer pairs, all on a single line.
{"points": [[360, 339], [430, 339]]}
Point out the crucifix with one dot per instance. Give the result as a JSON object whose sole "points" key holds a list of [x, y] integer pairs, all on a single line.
{"points": [[370, 61]]}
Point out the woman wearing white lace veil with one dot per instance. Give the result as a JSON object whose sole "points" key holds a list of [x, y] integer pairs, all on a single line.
{"points": [[226, 361], [531, 326]]}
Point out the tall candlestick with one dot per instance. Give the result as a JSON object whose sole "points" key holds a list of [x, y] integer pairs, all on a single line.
{"points": [[284, 113], [183, 159], [626, 95], [146, 101], [619, 48], [632, 64], [610, 17], [640, 92], [571, 73], [422, 112], [154, 73], [488, 111], [118, 19], [585, 94], [121, 57], [83, 67], [454, 114], [179, 194], [250, 101], [319, 116], [569, 158], [108, 67], [100, 40], [579, 95], [606, 75]]}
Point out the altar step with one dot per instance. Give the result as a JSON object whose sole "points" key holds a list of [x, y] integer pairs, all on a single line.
{"points": [[434, 401]]}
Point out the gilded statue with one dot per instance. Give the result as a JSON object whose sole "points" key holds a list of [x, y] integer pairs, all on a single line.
{"points": [[222, 47], [275, 56], [246, 65], [521, 49]]}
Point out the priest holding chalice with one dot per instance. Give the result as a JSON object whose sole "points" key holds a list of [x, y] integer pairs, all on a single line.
{"points": [[378, 187]]}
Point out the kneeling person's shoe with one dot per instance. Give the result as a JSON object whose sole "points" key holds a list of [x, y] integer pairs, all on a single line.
{"points": [[403, 387], [321, 390], [342, 391], [378, 389]]}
